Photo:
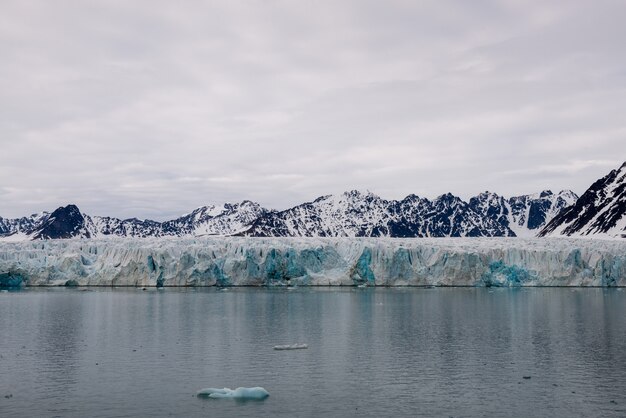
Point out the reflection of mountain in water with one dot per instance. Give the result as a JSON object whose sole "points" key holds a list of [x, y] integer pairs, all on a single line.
{"points": [[60, 327]]}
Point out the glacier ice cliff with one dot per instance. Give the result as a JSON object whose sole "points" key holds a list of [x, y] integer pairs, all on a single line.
{"points": [[243, 261]]}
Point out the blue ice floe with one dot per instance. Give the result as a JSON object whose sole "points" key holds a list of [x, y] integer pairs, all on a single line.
{"points": [[255, 393]]}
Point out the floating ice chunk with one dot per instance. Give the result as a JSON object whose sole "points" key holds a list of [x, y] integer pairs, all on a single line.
{"points": [[290, 347], [256, 393]]}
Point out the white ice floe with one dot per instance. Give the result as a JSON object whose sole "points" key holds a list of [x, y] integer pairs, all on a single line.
{"points": [[291, 347], [288, 262], [255, 393]]}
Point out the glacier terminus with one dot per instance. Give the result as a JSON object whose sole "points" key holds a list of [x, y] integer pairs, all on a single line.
{"points": [[288, 261]]}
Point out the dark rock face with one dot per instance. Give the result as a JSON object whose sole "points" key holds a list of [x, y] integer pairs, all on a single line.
{"points": [[65, 222], [599, 210], [537, 213]]}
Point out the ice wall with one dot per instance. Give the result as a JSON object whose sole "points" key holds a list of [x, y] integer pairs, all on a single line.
{"points": [[235, 261]]}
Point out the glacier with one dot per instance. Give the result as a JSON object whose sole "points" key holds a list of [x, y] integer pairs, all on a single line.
{"points": [[246, 261]]}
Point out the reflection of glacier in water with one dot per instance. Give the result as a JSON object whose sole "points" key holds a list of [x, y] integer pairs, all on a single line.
{"points": [[316, 261]]}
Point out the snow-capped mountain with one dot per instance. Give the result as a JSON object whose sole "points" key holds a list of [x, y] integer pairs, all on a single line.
{"points": [[20, 227], [227, 219], [600, 210], [65, 222], [69, 222], [356, 214], [523, 215], [350, 214]]}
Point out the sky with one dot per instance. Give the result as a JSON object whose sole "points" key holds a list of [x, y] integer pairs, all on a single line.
{"points": [[151, 108]]}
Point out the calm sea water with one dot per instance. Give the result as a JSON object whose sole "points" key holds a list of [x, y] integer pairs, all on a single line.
{"points": [[372, 352]]}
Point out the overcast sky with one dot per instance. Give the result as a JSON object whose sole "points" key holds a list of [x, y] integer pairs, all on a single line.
{"points": [[152, 108]]}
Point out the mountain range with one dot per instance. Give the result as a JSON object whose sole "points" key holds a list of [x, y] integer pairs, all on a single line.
{"points": [[600, 210]]}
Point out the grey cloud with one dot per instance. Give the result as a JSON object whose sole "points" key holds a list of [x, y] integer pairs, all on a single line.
{"points": [[150, 109]]}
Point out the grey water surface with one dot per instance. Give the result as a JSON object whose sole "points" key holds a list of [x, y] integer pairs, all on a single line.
{"points": [[385, 352]]}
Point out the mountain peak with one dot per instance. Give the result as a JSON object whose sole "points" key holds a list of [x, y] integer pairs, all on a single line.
{"points": [[447, 197], [70, 208], [601, 209], [64, 222], [359, 194]]}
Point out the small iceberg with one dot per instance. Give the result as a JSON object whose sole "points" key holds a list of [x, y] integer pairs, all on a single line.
{"points": [[256, 393], [291, 347]]}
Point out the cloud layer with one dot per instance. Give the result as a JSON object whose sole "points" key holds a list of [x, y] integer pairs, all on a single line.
{"points": [[152, 108]]}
